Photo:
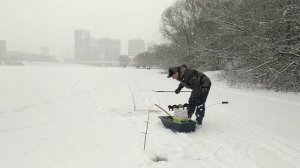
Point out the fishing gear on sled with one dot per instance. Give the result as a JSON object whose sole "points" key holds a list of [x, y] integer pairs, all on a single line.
{"points": [[172, 107]]}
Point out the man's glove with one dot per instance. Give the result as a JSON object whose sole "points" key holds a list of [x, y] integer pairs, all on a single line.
{"points": [[177, 90]]}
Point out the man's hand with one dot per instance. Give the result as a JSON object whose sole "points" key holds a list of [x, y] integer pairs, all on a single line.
{"points": [[177, 90]]}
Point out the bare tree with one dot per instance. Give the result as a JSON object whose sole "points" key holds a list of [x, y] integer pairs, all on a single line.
{"points": [[256, 42]]}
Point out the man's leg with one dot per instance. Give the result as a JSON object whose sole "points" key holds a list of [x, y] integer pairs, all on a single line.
{"points": [[200, 109], [200, 112], [191, 110]]}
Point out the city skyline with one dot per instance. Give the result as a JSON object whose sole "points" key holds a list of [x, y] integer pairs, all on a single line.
{"points": [[27, 26], [90, 48], [134, 47]]}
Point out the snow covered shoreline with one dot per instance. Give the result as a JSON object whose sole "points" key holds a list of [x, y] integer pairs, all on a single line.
{"points": [[83, 117]]}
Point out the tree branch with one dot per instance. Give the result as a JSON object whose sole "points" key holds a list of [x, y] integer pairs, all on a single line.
{"points": [[284, 52], [261, 65], [281, 73]]}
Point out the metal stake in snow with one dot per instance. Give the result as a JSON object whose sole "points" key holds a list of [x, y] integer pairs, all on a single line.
{"points": [[146, 130]]}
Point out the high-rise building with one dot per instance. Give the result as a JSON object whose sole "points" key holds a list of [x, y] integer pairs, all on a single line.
{"points": [[136, 46], [45, 51], [82, 44], [2, 49], [115, 50], [110, 49], [94, 50], [88, 48], [45, 55]]}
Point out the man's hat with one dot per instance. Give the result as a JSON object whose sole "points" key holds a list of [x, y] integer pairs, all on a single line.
{"points": [[172, 70]]}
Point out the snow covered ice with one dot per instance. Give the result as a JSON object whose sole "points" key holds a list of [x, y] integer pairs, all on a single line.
{"points": [[83, 117]]}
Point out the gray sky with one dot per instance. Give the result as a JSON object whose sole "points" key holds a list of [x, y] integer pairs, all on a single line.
{"points": [[27, 25]]}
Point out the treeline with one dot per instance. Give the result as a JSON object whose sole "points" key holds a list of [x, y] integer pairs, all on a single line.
{"points": [[254, 42]]}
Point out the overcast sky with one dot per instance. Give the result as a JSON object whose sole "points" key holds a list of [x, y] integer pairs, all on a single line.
{"points": [[27, 25]]}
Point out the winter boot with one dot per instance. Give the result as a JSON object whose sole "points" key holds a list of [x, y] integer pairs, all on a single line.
{"points": [[199, 120]]}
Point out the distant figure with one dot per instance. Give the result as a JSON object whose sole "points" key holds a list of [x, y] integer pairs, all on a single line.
{"points": [[200, 85]]}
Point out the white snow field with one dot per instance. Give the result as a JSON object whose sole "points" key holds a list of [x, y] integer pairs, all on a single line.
{"points": [[83, 117]]}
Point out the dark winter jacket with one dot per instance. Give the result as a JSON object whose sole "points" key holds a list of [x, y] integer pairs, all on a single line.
{"points": [[195, 80]]}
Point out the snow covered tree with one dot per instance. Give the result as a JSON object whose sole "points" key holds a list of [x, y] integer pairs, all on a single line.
{"points": [[267, 38], [256, 41]]}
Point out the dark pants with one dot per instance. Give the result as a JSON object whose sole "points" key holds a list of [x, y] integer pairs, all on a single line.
{"points": [[197, 102]]}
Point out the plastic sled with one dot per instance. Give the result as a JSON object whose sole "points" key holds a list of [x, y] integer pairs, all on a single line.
{"points": [[188, 126]]}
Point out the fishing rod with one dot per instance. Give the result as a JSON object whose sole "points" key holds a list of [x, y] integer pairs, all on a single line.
{"points": [[223, 102], [169, 91]]}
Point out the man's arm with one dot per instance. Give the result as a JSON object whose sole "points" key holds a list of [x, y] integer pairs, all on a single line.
{"points": [[180, 86]]}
